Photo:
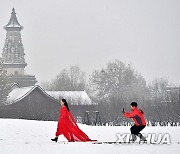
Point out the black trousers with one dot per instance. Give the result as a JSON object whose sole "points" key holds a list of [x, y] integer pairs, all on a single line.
{"points": [[136, 129]]}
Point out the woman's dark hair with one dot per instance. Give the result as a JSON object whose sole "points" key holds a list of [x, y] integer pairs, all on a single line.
{"points": [[65, 104]]}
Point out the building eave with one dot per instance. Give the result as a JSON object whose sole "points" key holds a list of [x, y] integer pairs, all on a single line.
{"points": [[29, 91]]}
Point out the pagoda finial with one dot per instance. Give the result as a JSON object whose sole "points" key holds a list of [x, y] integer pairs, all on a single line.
{"points": [[13, 23]]}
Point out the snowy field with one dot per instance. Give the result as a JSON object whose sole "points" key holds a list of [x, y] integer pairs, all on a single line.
{"points": [[33, 137]]}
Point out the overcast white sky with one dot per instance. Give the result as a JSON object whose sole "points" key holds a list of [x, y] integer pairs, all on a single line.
{"points": [[61, 33]]}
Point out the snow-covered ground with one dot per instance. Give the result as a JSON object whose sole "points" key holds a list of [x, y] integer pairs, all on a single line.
{"points": [[33, 137]]}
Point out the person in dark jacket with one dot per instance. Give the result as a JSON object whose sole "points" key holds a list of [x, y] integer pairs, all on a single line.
{"points": [[137, 116]]}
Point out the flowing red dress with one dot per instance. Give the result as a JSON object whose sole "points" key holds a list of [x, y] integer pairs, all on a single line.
{"points": [[68, 127]]}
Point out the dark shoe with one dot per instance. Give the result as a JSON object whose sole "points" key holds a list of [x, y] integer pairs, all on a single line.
{"points": [[55, 139], [131, 141], [142, 138]]}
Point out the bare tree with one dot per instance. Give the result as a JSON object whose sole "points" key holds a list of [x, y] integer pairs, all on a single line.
{"points": [[162, 107], [119, 80], [72, 79], [116, 86], [158, 89]]}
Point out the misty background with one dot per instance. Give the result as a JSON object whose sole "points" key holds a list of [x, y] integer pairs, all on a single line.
{"points": [[60, 33]]}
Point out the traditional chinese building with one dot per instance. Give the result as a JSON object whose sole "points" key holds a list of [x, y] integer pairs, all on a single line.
{"points": [[29, 103], [35, 103], [13, 54]]}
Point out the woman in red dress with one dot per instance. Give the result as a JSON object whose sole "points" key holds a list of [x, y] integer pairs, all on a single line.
{"points": [[67, 126]]}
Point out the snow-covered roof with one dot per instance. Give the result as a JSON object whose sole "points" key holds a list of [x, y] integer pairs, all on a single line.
{"points": [[18, 94], [73, 97]]}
